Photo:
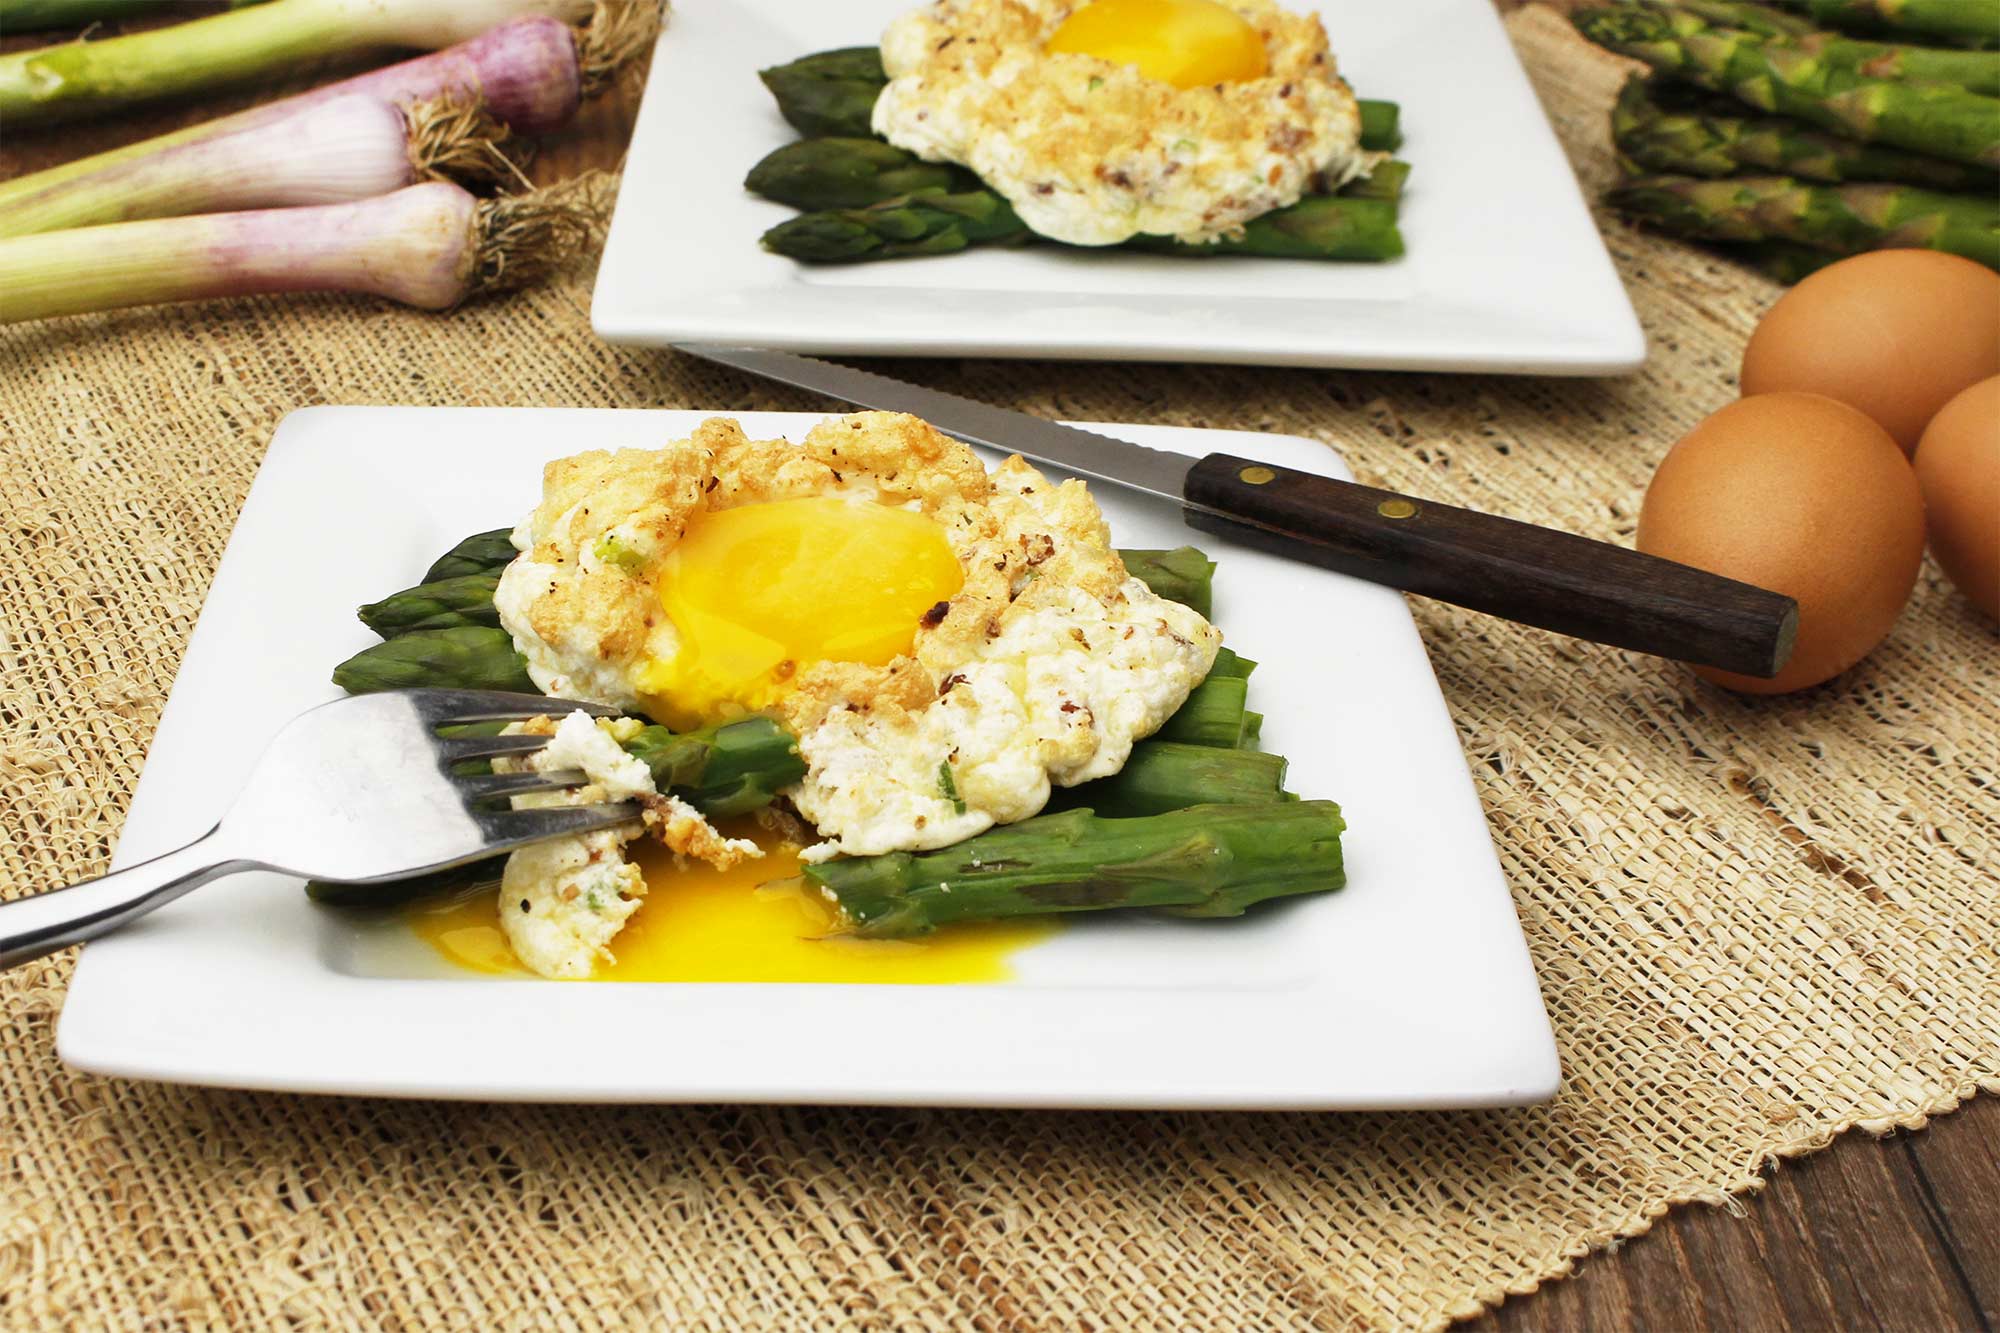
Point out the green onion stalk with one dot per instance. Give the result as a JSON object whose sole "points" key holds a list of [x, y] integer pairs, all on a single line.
{"points": [[74, 79], [31, 15], [431, 246], [528, 75], [348, 148]]}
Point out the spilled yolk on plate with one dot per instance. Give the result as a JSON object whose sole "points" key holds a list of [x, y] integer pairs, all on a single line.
{"points": [[1187, 43], [759, 592], [698, 924]]}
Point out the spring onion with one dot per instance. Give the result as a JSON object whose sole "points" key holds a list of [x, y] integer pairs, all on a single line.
{"points": [[28, 15], [86, 78], [529, 75], [328, 152], [430, 245]]}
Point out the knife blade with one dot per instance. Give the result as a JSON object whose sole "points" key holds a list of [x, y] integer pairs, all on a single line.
{"points": [[1537, 576]]}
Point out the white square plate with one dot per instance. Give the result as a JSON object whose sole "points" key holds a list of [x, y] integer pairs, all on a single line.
{"points": [[1409, 988], [1504, 271]]}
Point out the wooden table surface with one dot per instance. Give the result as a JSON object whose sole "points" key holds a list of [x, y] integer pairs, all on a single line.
{"points": [[1902, 1233]]}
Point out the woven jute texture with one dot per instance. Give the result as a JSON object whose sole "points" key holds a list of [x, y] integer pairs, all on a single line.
{"points": [[1757, 923]]}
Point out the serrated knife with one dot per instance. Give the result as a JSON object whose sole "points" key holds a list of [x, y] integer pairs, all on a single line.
{"points": [[1499, 566]]}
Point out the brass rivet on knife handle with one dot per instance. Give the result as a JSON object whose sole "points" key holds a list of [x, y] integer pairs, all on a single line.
{"points": [[1258, 476], [1538, 576]]}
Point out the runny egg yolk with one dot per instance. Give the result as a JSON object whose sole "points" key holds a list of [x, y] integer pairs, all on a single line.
{"points": [[1188, 43], [760, 592], [698, 924]]}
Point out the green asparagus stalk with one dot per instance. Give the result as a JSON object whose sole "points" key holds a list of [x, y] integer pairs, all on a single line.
{"points": [[1386, 181], [925, 223], [1780, 260], [1781, 76], [729, 768], [1974, 71], [1181, 575], [1764, 20], [1319, 227], [1660, 130], [1969, 20], [849, 173], [1842, 219], [1213, 714], [1381, 125], [1172, 775], [468, 658], [444, 604], [1227, 663], [832, 93], [481, 553], [1204, 861]]}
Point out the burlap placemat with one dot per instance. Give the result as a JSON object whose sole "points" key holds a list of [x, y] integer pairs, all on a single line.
{"points": [[1756, 923]]}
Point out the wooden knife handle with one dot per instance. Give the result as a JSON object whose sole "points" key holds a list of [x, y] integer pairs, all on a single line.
{"points": [[1538, 576]]}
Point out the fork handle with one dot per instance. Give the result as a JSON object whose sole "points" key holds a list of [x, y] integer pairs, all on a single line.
{"points": [[45, 922]]}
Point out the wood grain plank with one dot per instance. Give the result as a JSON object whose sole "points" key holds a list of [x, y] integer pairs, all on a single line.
{"points": [[1840, 1240], [1960, 1182]]}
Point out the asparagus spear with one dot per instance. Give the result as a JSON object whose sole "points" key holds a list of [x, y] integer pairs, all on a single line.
{"points": [[845, 173], [1780, 260], [1181, 575], [849, 173], [1320, 227], [1975, 71], [1843, 219], [831, 92], [481, 553], [924, 223], [1763, 20], [1228, 663], [1660, 130], [1207, 860], [834, 92], [1969, 20], [473, 657], [1213, 714], [444, 604], [1781, 76], [1171, 775]]}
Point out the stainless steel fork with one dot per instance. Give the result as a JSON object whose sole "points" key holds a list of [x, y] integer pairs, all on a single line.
{"points": [[355, 791]]}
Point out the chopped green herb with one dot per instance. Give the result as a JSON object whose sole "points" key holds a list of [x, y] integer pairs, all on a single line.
{"points": [[948, 788], [1095, 83], [594, 901], [615, 552]]}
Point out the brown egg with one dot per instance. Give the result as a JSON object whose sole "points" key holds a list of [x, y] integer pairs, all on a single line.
{"points": [[1958, 467], [1803, 495], [1895, 333]]}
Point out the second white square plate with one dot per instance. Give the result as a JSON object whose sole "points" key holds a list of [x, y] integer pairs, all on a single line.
{"points": [[1411, 987], [1504, 272]]}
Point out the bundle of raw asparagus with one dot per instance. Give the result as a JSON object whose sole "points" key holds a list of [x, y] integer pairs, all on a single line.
{"points": [[865, 199], [1790, 145]]}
